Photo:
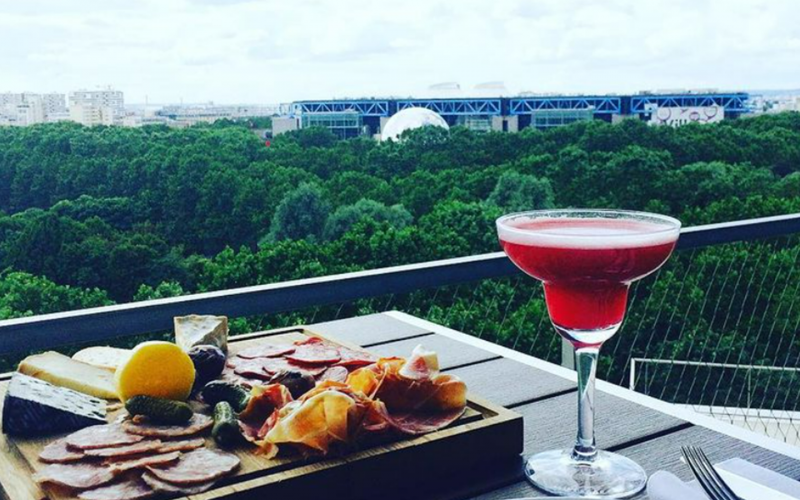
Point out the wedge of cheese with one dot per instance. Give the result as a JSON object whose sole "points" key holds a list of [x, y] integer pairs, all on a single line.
{"points": [[66, 372], [103, 357], [195, 330]]}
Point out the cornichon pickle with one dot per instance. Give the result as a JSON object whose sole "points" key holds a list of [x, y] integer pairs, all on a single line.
{"points": [[226, 430], [217, 391], [159, 410]]}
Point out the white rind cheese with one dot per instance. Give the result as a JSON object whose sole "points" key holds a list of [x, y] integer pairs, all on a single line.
{"points": [[64, 371], [103, 357], [195, 330]]}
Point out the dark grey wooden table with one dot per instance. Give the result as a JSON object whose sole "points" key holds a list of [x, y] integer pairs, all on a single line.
{"points": [[647, 430]]}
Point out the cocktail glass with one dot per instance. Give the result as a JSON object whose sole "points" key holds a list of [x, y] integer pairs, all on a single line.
{"points": [[587, 260]]}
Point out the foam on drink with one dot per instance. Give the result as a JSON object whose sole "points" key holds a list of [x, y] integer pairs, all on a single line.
{"points": [[565, 232]]}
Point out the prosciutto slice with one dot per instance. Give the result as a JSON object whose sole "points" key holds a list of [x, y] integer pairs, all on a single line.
{"points": [[416, 423]]}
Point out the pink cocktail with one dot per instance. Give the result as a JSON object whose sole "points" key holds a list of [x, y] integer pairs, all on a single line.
{"points": [[587, 260]]}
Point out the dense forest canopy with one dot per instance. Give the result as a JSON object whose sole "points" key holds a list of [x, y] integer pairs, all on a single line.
{"points": [[94, 215]]}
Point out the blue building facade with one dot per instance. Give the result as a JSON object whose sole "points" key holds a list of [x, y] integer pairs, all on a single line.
{"points": [[366, 116]]}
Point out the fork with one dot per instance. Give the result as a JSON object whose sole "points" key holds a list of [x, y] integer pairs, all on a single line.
{"points": [[709, 479]]}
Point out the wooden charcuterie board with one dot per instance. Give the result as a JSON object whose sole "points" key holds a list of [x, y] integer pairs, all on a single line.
{"points": [[485, 434]]}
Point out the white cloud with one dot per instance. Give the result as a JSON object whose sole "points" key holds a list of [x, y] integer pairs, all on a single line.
{"points": [[270, 51]]}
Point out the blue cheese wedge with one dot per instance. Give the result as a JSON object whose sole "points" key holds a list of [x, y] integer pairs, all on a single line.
{"points": [[195, 330], [34, 407]]}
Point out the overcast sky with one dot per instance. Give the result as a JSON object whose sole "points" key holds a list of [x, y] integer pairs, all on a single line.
{"points": [[270, 51]]}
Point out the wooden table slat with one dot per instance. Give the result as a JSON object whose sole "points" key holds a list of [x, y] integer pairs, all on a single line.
{"points": [[452, 353], [369, 330], [510, 383]]}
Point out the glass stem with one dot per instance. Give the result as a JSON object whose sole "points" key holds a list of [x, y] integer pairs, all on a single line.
{"points": [[586, 365]]}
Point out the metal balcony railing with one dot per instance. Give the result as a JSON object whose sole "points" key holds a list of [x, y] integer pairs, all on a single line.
{"points": [[703, 331]]}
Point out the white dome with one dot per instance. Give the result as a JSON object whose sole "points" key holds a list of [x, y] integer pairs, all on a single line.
{"points": [[411, 118]]}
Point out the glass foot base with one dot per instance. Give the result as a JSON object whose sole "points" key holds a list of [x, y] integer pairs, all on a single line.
{"points": [[608, 476]]}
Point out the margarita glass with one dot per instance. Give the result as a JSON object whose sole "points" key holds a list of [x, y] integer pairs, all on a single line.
{"points": [[587, 260]]}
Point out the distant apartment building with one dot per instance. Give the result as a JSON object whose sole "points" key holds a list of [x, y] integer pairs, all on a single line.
{"points": [[190, 114], [96, 107], [26, 108]]}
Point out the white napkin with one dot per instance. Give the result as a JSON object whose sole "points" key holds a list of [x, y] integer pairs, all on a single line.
{"points": [[666, 486]]}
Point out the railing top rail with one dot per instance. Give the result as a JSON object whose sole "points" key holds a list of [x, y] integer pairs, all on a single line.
{"points": [[96, 324]]}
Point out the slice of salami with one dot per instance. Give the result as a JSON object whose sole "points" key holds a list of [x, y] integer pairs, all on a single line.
{"points": [[165, 487], [146, 461], [198, 466], [352, 358], [252, 368], [266, 368], [197, 424], [125, 451], [184, 445], [101, 436], [76, 476], [315, 351], [335, 373], [58, 452], [266, 351], [129, 488]]}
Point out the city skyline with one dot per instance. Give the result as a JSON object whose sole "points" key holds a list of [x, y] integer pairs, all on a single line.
{"points": [[270, 52]]}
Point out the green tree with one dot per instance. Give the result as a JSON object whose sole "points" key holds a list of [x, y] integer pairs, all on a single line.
{"points": [[301, 215], [347, 216], [516, 192]]}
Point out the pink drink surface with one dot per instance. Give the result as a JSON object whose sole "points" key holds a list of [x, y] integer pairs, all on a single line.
{"points": [[587, 265]]}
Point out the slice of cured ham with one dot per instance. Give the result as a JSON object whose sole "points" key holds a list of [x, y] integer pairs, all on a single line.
{"points": [[58, 452], [416, 423], [197, 424], [129, 488], [101, 436], [146, 461], [78, 476], [254, 420], [183, 445], [124, 451], [198, 466], [165, 487]]}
